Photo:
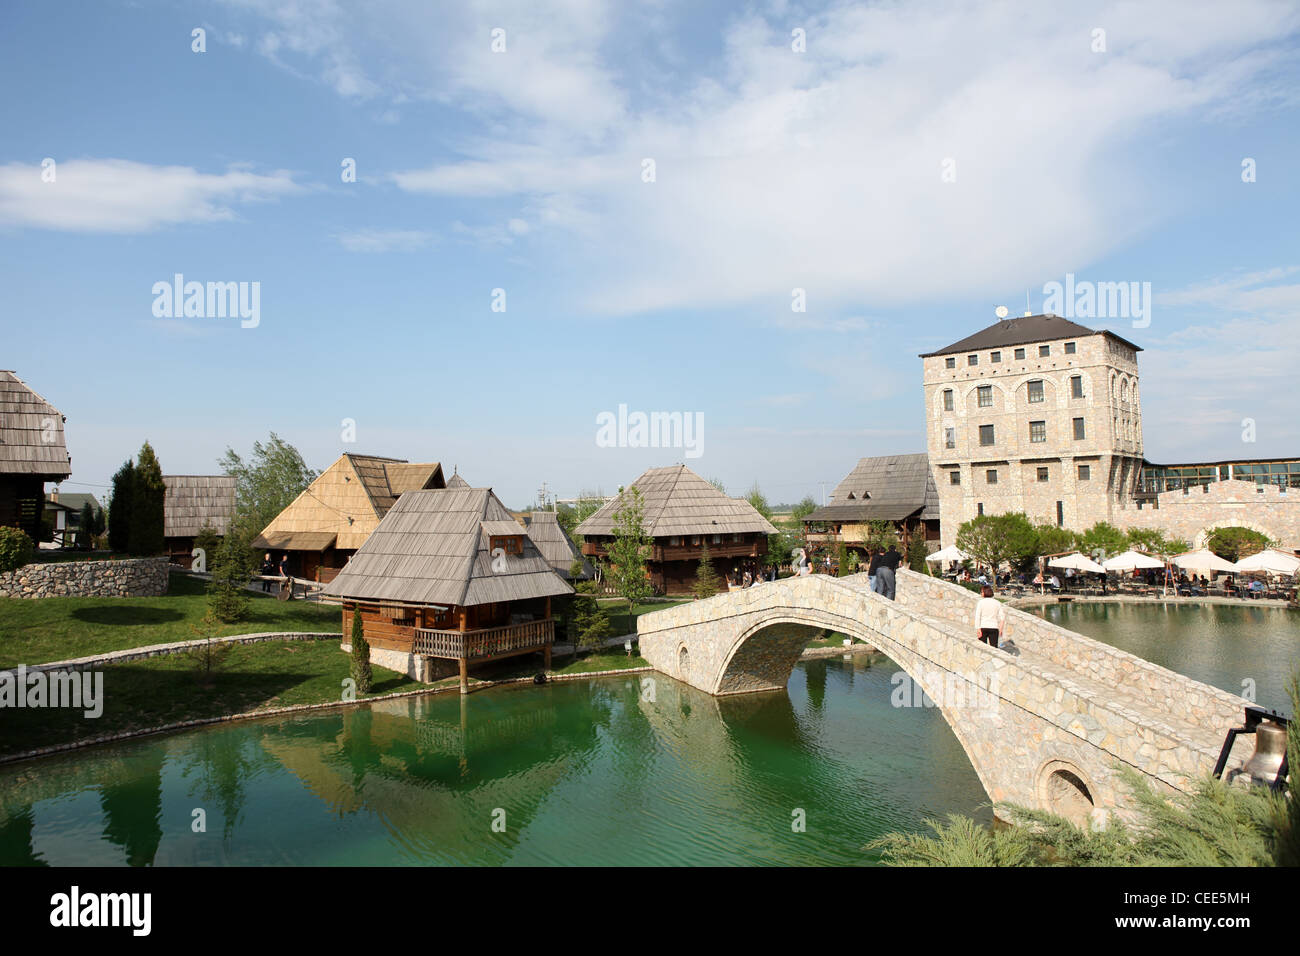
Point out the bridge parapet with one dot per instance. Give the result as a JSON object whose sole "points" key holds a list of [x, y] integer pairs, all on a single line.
{"points": [[1179, 697]]}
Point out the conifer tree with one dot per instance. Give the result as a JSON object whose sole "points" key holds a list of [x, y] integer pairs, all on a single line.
{"points": [[361, 672], [706, 579]]}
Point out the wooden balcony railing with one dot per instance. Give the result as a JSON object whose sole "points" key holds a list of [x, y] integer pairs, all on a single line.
{"points": [[488, 642]]}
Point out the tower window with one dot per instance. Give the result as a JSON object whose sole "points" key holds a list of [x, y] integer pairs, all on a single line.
{"points": [[1020, 353], [954, 477], [947, 399], [1069, 348], [972, 360], [950, 438], [985, 396], [986, 434], [1038, 431], [1036, 390], [1085, 472], [991, 476], [1044, 351], [1043, 474], [1078, 429], [950, 363], [1076, 386], [995, 357]]}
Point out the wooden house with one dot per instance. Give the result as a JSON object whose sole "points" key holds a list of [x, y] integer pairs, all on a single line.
{"points": [[333, 517], [192, 503], [684, 515], [446, 580], [556, 546], [897, 489], [63, 512], [32, 452]]}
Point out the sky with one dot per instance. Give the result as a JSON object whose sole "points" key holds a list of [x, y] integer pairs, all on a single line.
{"points": [[757, 215]]}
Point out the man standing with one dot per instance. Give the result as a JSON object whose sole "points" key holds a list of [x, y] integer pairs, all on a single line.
{"points": [[990, 618], [873, 569], [889, 563]]}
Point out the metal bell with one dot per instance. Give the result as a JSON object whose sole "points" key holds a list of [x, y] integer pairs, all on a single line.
{"points": [[1270, 748]]}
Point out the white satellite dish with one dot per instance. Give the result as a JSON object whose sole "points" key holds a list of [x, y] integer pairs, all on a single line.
{"points": [[1000, 312]]}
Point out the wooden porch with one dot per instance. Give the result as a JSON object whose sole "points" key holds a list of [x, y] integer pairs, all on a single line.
{"points": [[485, 644]]}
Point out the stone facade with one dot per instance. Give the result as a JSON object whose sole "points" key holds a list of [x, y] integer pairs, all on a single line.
{"points": [[1192, 513], [980, 427], [134, 577], [1055, 720]]}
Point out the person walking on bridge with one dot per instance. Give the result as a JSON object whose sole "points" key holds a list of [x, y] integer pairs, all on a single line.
{"points": [[990, 618], [889, 561]]}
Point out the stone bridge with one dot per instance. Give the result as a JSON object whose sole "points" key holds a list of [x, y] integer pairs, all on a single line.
{"points": [[1046, 727]]}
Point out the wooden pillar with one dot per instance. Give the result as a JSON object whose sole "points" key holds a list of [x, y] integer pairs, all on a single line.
{"points": [[548, 656], [464, 675]]}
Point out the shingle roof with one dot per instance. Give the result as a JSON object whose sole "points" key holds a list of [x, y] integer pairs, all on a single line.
{"points": [[193, 501], [884, 488], [1024, 330], [432, 548], [348, 498], [456, 481], [547, 533], [31, 432], [678, 501], [76, 500]]}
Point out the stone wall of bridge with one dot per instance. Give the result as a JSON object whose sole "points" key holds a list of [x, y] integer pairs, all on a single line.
{"points": [[1038, 731]]}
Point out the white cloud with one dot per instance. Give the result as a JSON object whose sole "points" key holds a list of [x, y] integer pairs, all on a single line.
{"points": [[379, 240], [122, 196]]}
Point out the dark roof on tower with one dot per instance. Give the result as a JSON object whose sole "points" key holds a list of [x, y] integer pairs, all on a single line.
{"points": [[1024, 330]]}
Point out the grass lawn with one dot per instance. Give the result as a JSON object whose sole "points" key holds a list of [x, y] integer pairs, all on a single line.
{"points": [[54, 629], [620, 623], [164, 690]]}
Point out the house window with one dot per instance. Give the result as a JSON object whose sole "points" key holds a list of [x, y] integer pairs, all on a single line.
{"points": [[717, 539], [1085, 472], [510, 544], [985, 396], [737, 538], [1069, 348], [950, 438], [972, 360], [1038, 431], [1044, 351], [986, 434], [1078, 429], [1076, 386], [1036, 390], [1043, 474], [991, 476], [947, 399], [950, 363], [954, 477], [995, 357], [1020, 353]]}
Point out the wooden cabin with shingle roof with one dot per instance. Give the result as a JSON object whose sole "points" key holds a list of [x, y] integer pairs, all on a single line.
{"points": [[32, 452], [556, 546], [449, 579], [190, 504], [333, 517], [684, 515], [898, 489]]}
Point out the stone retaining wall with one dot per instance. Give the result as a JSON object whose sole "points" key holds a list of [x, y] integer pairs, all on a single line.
{"points": [[131, 577]]}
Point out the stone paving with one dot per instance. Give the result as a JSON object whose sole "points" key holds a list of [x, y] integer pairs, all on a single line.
{"points": [[1047, 727]]}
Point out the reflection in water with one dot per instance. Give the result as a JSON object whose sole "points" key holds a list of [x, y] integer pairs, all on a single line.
{"points": [[593, 771]]}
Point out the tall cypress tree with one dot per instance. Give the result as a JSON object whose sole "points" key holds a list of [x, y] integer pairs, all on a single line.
{"points": [[147, 504], [360, 663], [119, 508]]}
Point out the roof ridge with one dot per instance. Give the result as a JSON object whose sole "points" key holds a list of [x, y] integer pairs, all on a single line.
{"points": [[468, 576]]}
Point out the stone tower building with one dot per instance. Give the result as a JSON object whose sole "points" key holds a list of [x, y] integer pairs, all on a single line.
{"points": [[1035, 414]]}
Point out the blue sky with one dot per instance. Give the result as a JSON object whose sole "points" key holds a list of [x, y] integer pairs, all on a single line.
{"points": [[522, 170]]}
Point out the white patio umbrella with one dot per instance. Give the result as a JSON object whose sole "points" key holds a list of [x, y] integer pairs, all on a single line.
{"points": [[1270, 560], [1131, 561], [1077, 561], [950, 553], [1202, 560]]}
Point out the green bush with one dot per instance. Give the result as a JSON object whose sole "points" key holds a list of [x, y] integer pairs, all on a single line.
{"points": [[16, 549], [361, 672]]}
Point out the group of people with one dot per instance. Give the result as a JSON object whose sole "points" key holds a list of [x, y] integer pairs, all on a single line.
{"points": [[881, 571], [269, 569], [748, 574]]}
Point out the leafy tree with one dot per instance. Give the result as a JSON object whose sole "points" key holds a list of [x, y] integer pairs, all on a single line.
{"points": [[780, 547], [629, 550], [119, 508], [209, 541], [1148, 540], [804, 508], [16, 548], [570, 516], [1104, 537], [717, 483], [756, 498], [706, 579], [842, 561], [591, 624], [360, 661], [148, 492], [1054, 540], [916, 554], [232, 568], [86, 526], [1235, 543], [878, 534], [268, 482], [993, 539]]}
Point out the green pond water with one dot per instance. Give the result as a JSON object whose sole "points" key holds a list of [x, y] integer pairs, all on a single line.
{"points": [[583, 772]]}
